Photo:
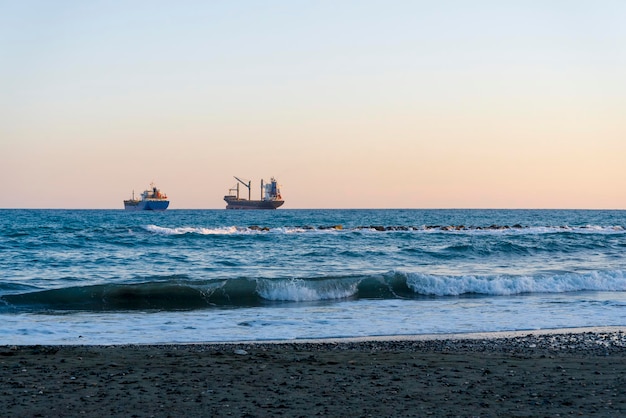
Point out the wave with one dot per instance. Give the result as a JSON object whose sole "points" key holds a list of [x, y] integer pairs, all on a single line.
{"points": [[186, 294], [255, 229], [424, 284], [194, 230]]}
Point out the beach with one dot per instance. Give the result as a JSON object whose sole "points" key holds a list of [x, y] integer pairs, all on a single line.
{"points": [[564, 373]]}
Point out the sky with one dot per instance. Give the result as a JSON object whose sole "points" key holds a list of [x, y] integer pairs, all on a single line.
{"points": [[349, 104]]}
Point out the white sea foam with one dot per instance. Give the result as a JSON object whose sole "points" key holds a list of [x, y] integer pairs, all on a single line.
{"points": [[452, 229], [427, 284], [227, 230], [298, 290]]}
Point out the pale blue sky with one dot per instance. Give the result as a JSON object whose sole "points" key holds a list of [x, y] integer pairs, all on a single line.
{"points": [[348, 103]]}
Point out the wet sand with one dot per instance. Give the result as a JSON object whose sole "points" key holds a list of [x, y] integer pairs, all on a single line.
{"points": [[536, 374]]}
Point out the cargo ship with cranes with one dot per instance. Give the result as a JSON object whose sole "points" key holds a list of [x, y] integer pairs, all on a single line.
{"points": [[270, 196], [151, 199]]}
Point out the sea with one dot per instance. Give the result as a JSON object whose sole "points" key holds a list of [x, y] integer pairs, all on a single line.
{"points": [[189, 276]]}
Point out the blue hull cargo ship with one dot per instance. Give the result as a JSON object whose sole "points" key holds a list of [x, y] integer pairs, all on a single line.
{"points": [[151, 199], [270, 196]]}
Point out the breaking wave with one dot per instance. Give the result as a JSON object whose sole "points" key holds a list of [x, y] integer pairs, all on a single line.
{"points": [[512, 285], [185, 294], [230, 230]]}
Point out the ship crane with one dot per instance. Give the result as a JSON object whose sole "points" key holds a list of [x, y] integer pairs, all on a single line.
{"points": [[248, 185]]}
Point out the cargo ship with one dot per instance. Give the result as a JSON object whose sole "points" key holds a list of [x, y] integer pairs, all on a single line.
{"points": [[270, 196], [151, 199]]}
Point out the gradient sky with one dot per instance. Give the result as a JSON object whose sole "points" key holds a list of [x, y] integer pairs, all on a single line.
{"points": [[349, 104]]}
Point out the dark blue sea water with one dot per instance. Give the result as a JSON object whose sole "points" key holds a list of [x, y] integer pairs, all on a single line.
{"points": [[109, 276]]}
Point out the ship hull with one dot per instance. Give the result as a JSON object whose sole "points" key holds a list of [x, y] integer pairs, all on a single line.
{"points": [[241, 204], [150, 204]]}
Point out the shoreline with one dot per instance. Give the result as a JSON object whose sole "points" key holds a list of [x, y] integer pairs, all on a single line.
{"points": [[427, 337], [486, 335], [525, 373]]}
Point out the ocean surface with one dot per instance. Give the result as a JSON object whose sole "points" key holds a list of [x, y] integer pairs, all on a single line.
{"points": [[116, 277]]}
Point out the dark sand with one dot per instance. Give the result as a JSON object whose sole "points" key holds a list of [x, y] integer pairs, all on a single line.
{"points": [[578, 374]]}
